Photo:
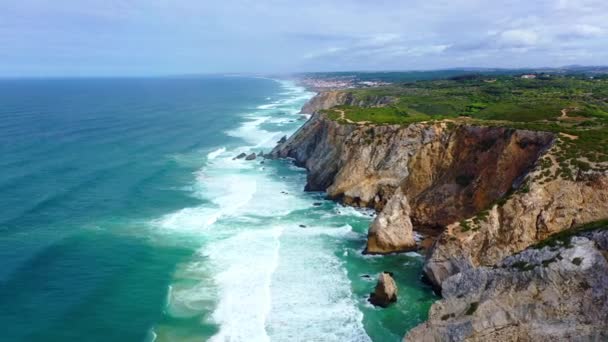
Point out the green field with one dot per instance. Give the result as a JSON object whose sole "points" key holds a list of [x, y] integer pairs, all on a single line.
{"points": [[510, 101]]}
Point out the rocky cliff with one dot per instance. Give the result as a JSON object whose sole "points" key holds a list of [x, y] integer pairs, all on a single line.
{"points": [[556, 293], [447, 173], [544, 205], [489, 192]]}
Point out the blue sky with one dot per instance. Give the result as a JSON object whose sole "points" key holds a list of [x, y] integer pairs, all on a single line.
{"points": [[156, 37]]}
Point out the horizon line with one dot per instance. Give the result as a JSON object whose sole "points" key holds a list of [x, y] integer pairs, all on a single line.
{"points": [[199, 74]]}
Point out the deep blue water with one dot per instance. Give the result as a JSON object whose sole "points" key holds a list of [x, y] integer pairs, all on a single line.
{"points": [[124, 217]]}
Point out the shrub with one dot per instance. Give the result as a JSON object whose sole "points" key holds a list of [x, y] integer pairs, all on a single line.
{"points": [[472, 308]]}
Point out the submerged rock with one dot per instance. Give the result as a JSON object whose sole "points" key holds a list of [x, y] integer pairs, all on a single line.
{"points": [[240, 156], [385, 292], [283, 140], [252, 156]]}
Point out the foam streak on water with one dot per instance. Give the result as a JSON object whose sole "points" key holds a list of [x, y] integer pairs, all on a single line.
{"points": [[258, 275]]}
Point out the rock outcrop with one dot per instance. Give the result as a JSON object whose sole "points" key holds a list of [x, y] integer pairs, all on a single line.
{"points": [[385, 292], [392, 229], [557, 293]]}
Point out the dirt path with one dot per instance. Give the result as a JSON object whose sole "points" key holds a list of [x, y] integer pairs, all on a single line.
{"points": [[572, 137], [343, 117]]}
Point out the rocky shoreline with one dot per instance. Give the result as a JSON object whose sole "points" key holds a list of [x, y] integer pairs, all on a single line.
{"points": [[487, 192]]}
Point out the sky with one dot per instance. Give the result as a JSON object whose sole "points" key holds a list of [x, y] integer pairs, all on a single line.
{"points": [[161, 37]]}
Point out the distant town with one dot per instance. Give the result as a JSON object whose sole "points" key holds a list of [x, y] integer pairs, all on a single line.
{"points": [[341, 82]]}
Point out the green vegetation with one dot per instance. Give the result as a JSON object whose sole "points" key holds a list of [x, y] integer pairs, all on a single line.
{"points": [[464, 180], [472, 308], [576, 106], [563, 238], [464, 226], [447, 316], [577, 261], [552, 260], [523, 266]]}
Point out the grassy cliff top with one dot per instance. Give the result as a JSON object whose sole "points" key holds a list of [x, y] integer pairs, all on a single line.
{"points": [[577, 107]]}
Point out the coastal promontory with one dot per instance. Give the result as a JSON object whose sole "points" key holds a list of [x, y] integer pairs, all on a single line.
{"points": [[486, 175]]}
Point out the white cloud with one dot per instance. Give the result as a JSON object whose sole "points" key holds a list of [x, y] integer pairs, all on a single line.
{"points": [[586, 31], [518, 38]]}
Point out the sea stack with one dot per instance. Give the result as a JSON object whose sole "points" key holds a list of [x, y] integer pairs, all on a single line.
{"points": [[392, 230], [385, 292]]}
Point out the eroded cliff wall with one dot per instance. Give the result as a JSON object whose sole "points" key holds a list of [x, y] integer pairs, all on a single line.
{"points": [[545, 204], [446, 173]]}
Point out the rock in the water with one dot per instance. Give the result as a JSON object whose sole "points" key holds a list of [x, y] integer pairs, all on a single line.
{"points": [[250, 157], [240, 156], [386, 291], [392, 229], [283, 140], [302, 226], [317, 204]]}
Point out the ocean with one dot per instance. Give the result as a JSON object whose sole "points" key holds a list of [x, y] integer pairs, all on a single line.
{"points": [[125, 217]]}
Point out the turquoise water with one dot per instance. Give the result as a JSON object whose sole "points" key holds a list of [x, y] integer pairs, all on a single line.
{"points": [[124, 217]]}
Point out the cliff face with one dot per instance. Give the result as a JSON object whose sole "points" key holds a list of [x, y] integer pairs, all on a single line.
{"points": [[556, 293], [448, 173], [329, 99], [445, 172], [546, 206]]}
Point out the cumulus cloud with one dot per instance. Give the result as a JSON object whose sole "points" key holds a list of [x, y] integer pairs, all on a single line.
{"points": [[518, 38]]}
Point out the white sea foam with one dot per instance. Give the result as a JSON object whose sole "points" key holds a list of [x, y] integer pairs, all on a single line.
{"points": [[353, 211], [263, 277], [311, 296], [246, 262], [268, 106], [214, 154]]}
